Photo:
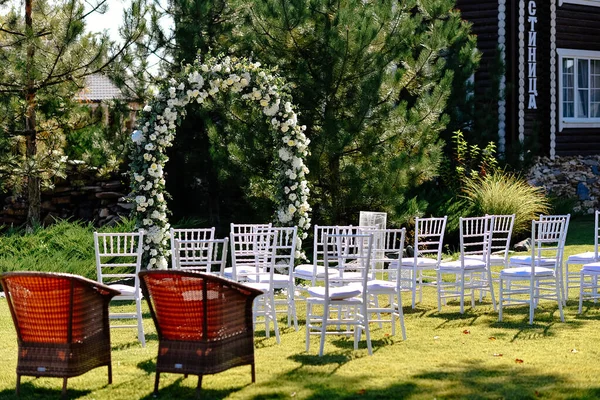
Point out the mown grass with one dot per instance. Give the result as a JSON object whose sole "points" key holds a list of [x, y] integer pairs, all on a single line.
{"points": [[446, 355]]}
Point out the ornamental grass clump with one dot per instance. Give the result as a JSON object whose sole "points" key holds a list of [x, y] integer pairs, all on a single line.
{"points": [[502, 193]]}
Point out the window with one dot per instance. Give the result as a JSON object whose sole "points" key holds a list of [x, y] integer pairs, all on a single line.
{"points": [[593, 3], [579, 88]]}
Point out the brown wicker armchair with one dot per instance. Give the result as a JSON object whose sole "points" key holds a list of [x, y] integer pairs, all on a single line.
{"points": [[61, 322], [204, 322]]}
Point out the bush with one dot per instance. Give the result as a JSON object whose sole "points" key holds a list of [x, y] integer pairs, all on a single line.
{"points": [[502, 193], [563, 205], [62, 247]]}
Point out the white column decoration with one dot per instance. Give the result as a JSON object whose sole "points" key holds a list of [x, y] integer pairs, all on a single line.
{"points": [[553, 79], [521, 71], [502, 88]]}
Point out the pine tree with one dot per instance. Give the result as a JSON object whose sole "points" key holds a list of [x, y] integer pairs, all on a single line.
{"points": [[212, 185], [373, 80], [46, 54]]}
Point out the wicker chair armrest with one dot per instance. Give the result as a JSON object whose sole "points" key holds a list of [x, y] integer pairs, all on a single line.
{"points": [[101, 288], [247, 291], [243, 289]]}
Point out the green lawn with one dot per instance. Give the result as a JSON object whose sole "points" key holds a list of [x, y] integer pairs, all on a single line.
{"points": [[446, 356]]}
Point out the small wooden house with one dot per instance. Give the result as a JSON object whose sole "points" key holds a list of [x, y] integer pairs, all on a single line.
{"points": [[551, 82], [98, 89]]}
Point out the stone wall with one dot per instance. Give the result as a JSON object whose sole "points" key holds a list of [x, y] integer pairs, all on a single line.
{"points": [[576, 178], [82, 196]]}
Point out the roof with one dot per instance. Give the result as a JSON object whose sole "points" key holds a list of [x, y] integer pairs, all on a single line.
{"points": [[99, 87]]}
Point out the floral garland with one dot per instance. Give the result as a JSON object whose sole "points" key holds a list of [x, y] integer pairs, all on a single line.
{"points": [[201, 82]]}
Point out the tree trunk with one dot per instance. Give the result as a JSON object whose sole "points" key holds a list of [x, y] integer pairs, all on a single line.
{"points": [[34, 195], [33, 180]]}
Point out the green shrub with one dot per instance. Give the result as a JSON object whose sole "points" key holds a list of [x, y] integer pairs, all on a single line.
{"points": [[65, 246], [562, 205], [503, 193]]}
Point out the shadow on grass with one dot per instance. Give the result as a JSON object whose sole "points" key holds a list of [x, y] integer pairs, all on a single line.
{"points": [[134, 343], [148, 366], [457, 380], [30, 391], [177, 391], [516, 318], [313, 359], [261, 340], [546, 322], [348, 343], [418, 311], [590, 311], [469, 317], [475, 381]]}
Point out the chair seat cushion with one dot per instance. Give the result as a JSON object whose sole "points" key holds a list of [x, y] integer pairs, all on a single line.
{"points": [[381, 286], [591, 268], [495, 259], [336, 293], [582, 258], [526, 260], [351, 275], [240, 271], [278, 279], [307, 271], [525, 272], [422, 262], [125, 290], [469, 264], [263, 287]]}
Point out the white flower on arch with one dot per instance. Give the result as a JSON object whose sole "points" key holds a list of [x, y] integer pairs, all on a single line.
{"points": [[257, 87]]}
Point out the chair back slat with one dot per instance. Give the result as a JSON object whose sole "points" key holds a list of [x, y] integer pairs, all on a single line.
{"points": [[118, 255], [189, 234], [208, 256], [548, 236], [285, 249], [252, 251], [502, 228], [350, 255], [388, 249], [475, 236], [429, 237]]}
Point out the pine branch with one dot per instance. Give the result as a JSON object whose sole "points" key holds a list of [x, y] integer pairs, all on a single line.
{"points": [[11, 32], [290, 30], [18, 88], [64, 42], [344, 63], [93, 9]]}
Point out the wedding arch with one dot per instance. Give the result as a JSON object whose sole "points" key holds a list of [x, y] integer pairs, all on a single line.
{"points": [[200, 83]]}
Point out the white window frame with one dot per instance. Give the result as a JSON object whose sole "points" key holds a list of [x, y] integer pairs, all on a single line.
{"points": [[573, 122], [591, 3]]}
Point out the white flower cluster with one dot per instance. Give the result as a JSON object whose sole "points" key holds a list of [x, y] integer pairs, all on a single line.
{"points": [[158, 122]]}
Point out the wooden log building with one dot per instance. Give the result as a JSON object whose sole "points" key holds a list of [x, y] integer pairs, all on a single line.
{"points": [[551, 82]]}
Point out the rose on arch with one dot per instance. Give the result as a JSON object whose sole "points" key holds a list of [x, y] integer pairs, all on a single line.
{"points": [[199, 83]]}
